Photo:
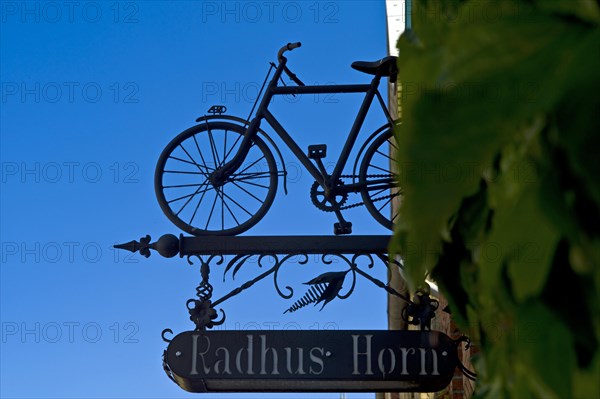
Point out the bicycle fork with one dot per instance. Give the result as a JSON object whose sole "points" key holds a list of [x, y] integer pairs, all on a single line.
{"points": [[221, 174]]}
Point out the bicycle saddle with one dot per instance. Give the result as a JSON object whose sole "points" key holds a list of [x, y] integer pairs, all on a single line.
{"points": [[384, 67]]}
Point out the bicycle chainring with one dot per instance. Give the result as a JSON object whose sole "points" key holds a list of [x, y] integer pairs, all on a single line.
{"points": [[317, 195]]}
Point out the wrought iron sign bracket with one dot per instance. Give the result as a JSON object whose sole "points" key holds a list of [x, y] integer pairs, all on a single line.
{"points": [[357, 253], [354, 251]]}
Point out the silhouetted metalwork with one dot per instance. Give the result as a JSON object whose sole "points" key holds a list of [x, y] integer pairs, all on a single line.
{"points": [[271, 253], [309, 361], [331, 283], [167, 246], [220, 177], [217, 109], [237, 171], [467, 373], [203, 313], [421, 310], [170, 245], [313, 295]]}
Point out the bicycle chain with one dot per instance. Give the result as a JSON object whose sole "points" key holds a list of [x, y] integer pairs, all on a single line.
{"points": [[362, 203]]}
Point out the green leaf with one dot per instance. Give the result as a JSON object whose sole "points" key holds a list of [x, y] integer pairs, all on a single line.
{"points": [[523, 239], [501, 191], [577, 115], [462, 101], [586, 381], [587, 10], [472, 218], [544, 350]]}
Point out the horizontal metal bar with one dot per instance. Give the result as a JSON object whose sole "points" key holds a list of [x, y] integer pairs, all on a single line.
{"points": [[238, 245], [323, 89]]}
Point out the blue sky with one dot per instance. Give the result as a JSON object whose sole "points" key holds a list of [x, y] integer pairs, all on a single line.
{"points": [[90, 94]]}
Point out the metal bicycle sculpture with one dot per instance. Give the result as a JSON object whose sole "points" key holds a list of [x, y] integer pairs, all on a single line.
{"points": [[220, 177], [216, 180]]}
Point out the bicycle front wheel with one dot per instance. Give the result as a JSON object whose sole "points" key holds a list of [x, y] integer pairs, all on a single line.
{"points": [[381, 193], [192, 203]]}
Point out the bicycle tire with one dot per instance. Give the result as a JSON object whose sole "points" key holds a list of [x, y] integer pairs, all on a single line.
{"points": [[181, 181], [379, 160]]}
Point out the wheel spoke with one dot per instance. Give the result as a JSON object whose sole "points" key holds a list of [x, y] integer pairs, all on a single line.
{"points": [[248, 192], [257, 175], [211, 210], [192, 159], [387, 156], [222, 208], [252, 164], [225, 146], [386, 202], [181, 172], [381, 169], [197, 206], [378, 183], [235, 202], [232, 147], [189, 198], [252, 183], [183, 185], [213, 148], [191, 163], [228, 208], [200, 152], [380, 191], [251, 177], [189, 195]]}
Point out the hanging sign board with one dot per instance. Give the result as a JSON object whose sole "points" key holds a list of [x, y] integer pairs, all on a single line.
{"points": [[311, 361]]}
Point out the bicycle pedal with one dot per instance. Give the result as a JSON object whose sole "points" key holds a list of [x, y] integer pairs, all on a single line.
{"points": [[342, 228], [317, 151]]}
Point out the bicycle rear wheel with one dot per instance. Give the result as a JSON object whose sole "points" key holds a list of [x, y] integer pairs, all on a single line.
{"points": [[381, 193], [192, 203]]}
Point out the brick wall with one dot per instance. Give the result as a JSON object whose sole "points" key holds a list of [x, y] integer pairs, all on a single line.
{"points": [[461, 387]]}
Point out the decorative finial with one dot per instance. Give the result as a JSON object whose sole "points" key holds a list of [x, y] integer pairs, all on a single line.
{"points": [[167, 246]]}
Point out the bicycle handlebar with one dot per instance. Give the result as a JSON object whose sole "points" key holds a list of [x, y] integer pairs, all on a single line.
{"points": [[287, 47], [290, 74]]}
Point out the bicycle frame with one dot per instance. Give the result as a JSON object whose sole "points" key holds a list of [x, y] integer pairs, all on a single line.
{"points": [[371, 91]]}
